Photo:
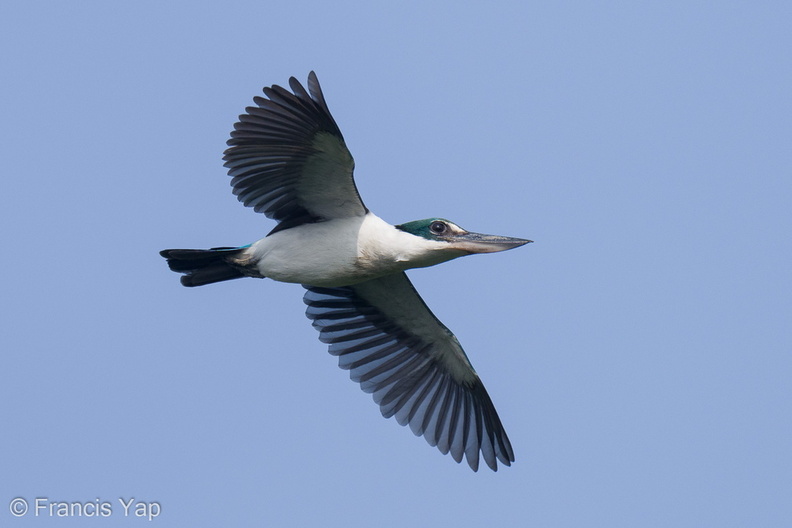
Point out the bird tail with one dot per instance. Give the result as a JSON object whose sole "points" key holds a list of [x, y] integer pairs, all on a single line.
{"points": [[204, 266]]}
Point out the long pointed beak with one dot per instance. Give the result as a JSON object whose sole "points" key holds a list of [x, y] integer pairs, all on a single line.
{"points": [[479, 243]]}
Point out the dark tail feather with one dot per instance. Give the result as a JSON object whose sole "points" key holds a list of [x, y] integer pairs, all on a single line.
{"points": [[203, 266]]}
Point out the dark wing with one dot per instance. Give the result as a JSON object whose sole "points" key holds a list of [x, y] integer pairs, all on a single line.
{"points": [[392, 344], [288, 160]]}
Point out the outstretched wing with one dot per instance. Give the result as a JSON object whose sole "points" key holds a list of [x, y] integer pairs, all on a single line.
{"points": [[288, 160], [392, 344]]}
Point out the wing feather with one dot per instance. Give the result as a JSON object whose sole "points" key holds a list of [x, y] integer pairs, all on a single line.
{"points": [[288, 160], [414, 367]]}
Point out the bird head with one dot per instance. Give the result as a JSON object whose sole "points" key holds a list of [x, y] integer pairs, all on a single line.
{"points": [[455, 239]]}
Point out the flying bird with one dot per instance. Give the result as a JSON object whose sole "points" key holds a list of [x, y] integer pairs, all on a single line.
{"points": [[288, 160]]}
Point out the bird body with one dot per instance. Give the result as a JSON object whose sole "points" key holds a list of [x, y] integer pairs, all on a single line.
{"points": [[341, 252], [288, 160]]}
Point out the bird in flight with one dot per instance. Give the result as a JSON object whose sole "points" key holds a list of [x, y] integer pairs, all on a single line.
{"points": [[288, 160]]}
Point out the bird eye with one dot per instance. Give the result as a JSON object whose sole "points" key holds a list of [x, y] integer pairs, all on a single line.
{"points": [[438, 228]]}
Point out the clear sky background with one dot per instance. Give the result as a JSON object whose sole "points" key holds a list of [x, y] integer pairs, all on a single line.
{"points": [[639, 352]]}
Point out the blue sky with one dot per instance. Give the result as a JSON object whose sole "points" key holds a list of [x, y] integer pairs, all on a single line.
{"points": [[639, 352]]}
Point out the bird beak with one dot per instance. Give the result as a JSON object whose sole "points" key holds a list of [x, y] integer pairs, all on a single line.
{"points": [[478, 243]]}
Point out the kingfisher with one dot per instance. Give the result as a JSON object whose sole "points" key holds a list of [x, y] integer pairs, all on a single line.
{"points": [[288, 160]]}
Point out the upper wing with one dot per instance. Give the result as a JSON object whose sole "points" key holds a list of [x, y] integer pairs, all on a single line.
{"points": [[392, 344], [288, 160]]}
